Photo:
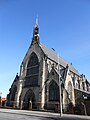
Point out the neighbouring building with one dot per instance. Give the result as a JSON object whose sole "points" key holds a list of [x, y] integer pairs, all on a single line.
{"points": [[42, 72]]}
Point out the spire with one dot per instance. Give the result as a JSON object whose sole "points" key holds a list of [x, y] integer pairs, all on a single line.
{"points": [[36, 29], [35, 38]]}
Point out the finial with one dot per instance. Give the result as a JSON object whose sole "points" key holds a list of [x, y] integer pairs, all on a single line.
{"points": [[36, 24], [67, 66]]}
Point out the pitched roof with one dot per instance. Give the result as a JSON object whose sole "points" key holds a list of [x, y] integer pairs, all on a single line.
{"points": [[53, 56]]}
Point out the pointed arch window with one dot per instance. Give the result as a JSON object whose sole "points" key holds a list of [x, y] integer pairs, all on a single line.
{"points": [[32, 71], [53, 91]]}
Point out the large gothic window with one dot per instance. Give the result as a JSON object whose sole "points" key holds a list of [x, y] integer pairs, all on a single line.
{"points": [[32, 71], [53, 91]]}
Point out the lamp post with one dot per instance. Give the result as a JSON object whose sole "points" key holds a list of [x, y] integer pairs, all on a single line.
{"points": [[60, 88]]}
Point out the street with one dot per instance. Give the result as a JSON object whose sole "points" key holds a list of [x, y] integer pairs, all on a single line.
{"points": [[8, 114]]}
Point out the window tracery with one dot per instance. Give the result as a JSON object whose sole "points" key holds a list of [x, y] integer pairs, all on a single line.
{"points": [[32, 71]]}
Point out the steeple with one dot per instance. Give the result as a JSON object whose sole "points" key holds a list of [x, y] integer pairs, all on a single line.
{"points": [[35, 38]]}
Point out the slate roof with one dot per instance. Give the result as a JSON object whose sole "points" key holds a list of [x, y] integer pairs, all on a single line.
{"points": [[53, 56]]}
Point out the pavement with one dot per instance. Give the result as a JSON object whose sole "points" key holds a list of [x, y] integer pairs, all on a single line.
{"points": [[43, 114]]}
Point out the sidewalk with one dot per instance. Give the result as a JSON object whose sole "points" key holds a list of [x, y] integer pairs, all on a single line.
{"points": [[42, 114], [30, 113]]}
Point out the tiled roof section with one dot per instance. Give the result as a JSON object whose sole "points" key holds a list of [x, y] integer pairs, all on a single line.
{"points": [[53, 56]]}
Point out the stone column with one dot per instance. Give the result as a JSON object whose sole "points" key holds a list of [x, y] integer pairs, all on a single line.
{"points": [[85, 85], [43, 86], [30, 105], [19, 89], [21, 105], [14, 104]]}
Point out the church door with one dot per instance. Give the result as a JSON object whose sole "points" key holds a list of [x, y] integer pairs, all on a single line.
{"points": [[29, 100]]}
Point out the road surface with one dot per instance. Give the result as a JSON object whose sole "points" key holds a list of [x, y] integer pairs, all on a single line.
{"points": [[8, 114]]}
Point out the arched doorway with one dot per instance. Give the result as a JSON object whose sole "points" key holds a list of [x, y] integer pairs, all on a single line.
{"points": [[29, 100]]}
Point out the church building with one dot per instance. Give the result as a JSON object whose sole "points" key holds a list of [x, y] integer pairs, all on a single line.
{"points": [[46, 80]]}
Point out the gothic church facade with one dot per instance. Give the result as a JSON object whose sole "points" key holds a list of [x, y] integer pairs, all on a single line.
{"points": [[44, 78]]}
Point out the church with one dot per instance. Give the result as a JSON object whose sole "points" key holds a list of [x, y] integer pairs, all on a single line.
{"points": [[46, 81]]}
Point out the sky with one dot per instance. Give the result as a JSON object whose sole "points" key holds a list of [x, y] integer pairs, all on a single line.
{"points": [[63, 25]]}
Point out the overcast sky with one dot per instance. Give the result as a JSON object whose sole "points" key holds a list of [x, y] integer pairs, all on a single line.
{"points": [[63, 25]]}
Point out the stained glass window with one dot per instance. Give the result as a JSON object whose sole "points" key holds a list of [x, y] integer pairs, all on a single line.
{"points": [[32, 71], [53, 91]]}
